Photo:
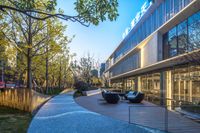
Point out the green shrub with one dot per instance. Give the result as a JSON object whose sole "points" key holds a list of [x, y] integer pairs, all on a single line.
{"points": [[81, 86], [77, 94], [191, 107]]}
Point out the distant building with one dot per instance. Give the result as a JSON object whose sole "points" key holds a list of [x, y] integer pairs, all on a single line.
{"points": [[94, 73], [102, 69]]}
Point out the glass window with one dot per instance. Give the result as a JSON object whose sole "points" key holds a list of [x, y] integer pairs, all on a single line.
{"points": [[150, 85], [194, 31], [177, 4], [165, 46], [172, 42], [153, 22], [171, 6], [167, 9], [186, 2], [186, 84], [160, 15], [182, 37]]}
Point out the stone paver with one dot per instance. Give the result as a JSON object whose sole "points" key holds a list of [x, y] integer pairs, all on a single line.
{"points": [[62, 115]]}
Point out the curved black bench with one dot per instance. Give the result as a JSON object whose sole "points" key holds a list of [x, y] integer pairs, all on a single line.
{"points": [[111, 97], [103, 93], [130, 93], [137, 98]]}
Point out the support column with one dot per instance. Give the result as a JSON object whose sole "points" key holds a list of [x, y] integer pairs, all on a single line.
{"points": [[184, 83], [123, 84], [135, 83], [138, 84], [132, 84], [168, 88], [179, 90], [190, 90], [109, 83], [126, 83], [162, 88]]}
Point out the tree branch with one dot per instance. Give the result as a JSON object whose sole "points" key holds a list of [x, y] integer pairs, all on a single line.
{"points": [[77, 18]]}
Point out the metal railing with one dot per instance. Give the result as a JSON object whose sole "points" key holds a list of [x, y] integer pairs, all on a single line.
{"points": [[163, 119]]}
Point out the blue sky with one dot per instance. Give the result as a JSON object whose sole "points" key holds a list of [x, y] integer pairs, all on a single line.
{"points": [[101, 40]]}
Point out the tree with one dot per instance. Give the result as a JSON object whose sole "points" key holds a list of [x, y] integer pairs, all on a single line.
{"points": [[88, 11], [96, 81], [86, 65], [85, 69], [31, 37]]}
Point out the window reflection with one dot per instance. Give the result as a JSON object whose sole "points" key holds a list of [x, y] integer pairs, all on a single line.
{"points": [[194, 31], [183, 37], [172, 42]]}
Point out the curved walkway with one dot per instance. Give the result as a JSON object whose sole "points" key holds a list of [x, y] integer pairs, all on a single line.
{"points": [[62, 115]]}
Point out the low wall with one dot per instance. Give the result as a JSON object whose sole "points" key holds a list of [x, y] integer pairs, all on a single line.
{"points": [[23, 99], [91, 92]]}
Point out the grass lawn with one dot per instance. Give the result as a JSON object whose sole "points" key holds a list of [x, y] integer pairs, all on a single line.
{"points": [[13, 120]]}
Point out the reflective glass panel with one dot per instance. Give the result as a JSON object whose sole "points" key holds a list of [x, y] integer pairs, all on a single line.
{"points": [[182, 37], [172, 42]]}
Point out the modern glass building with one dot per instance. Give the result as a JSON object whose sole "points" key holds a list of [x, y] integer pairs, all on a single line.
{"points": [[161, 54]]}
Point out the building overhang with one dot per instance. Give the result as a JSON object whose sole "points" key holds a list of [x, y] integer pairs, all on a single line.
{"points": [[191, 57]]}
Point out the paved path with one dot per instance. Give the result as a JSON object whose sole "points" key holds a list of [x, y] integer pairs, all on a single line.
{"points": [[145, 114], [62, 115]]}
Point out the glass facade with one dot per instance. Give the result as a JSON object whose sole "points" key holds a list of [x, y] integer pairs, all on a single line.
{"points": [[171, 85], [185, 37], [166, 10], [130, 63], [186, 86], [130, 83], [126, 84], [150, 85], [194, 31]]}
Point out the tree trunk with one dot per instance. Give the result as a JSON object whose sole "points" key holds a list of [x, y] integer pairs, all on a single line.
{"points": [[47, 70], [29, 73], [29, 57], [2, 74], [65, 76], [60, 76]]}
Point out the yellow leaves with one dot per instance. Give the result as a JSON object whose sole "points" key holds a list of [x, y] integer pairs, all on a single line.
{"points": [[28, 46], [1, 16], [10, 53], [3, 42]]}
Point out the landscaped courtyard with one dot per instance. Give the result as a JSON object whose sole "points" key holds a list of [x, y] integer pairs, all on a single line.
{"points": [[100, 66], [63, 114], [89, 114]]}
